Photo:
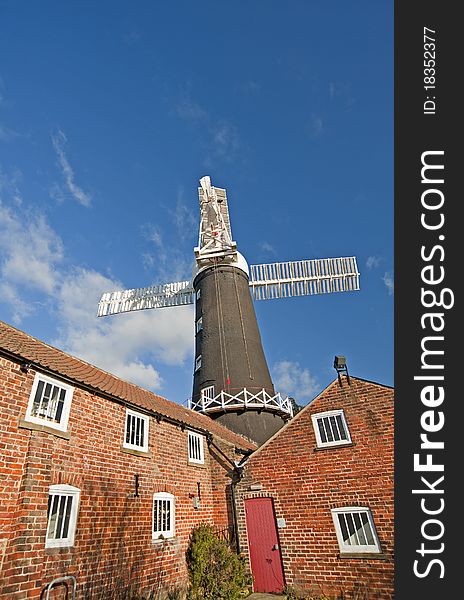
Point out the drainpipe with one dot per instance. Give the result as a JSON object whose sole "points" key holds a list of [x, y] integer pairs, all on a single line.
{"points": [[236, 477]]}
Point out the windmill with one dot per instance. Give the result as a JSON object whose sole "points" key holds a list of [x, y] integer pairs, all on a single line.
{"points": [[231, 380]]}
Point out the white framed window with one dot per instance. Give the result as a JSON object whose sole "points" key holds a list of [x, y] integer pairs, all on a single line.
{"points": [[355, 529], [198, 294], [163, 516], [199, 325], [63, 503], [195, 448], [136, 431], [198, 362], [49, 402], [331, 428]]}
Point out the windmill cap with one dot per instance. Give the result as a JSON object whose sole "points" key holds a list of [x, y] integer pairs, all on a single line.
{"points": [[239, 262]]}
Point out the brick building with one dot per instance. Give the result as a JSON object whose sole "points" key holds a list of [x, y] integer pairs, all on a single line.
{"points": [[99, 479], [103, 481], [315, 502]]}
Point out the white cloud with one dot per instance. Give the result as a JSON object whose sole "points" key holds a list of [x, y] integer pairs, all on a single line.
{"points": [[220, 136], [225, 138], [316, 125], [128, 345], [292, 379], [389, 283], [19, 309], [7, 134], [342, 93], [59, 142], [124, 344], [185, 219], [267, 248], [166, 261], [188, 110], [373, 262], [31, 250]]}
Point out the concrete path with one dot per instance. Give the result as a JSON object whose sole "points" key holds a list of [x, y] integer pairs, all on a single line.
{"points": [[258, 596]]}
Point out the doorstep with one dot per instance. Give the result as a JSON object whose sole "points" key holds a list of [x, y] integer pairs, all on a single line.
{"points": [[259, 596]]}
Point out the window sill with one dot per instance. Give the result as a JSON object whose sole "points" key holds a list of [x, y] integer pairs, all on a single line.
{"points": [[192, 463], [23, 424], [141, 453], [159, 541], [368, 555], [334, 447]]}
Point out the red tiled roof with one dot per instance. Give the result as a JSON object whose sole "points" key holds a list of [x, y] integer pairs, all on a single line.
{"points": [[24, 346]]}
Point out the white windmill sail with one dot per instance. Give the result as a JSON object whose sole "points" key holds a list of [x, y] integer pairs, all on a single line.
{"points": [[155, 296], [304, 277]]}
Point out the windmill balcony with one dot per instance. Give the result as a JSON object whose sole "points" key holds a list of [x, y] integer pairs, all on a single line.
{"points": [[243, 399]]}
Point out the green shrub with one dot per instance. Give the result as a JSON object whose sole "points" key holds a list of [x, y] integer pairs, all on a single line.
{"points": [[215, 571]]}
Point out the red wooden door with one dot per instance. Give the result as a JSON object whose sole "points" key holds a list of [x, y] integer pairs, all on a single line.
{"points": [[265, 558]]}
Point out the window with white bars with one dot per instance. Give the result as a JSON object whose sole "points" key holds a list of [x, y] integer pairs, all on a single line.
{"points": [[331, 428], [355, 530], [63, 501], [163, 515], [195, 448], [136, 431], [49, 402], [198, 362], [199, 325]]}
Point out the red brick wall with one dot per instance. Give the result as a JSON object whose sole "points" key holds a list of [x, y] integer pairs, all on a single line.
{"points": [[113, 544], [306, 484]]}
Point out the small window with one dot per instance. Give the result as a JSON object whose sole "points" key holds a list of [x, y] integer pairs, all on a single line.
{"points": [[63, 501], [49, 402], [198, 362], [136, 432], [198, 294], [355, 530], [331, 428], [195, 448], [199, 325], [163, 516]]}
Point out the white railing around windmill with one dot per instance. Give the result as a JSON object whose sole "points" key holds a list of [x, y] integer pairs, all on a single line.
{"points": [[225, 401]]}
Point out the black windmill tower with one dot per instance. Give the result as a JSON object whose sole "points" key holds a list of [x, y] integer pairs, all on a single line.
{"points": [[231, 380]]}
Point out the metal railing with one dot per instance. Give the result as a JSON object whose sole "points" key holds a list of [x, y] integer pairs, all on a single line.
{"points": [[59, 581], [224, 401]]}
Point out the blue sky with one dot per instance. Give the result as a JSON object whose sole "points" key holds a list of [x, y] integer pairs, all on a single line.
{"points": [[110, 113]]}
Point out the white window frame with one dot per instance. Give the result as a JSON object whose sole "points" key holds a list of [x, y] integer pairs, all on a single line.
{"points": [[199, 325], [198, 362], [63, 491], [62, 425], [164, 533], [146, 420], [327, 415], [196, 447], [198, 294], [372, 548]]}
